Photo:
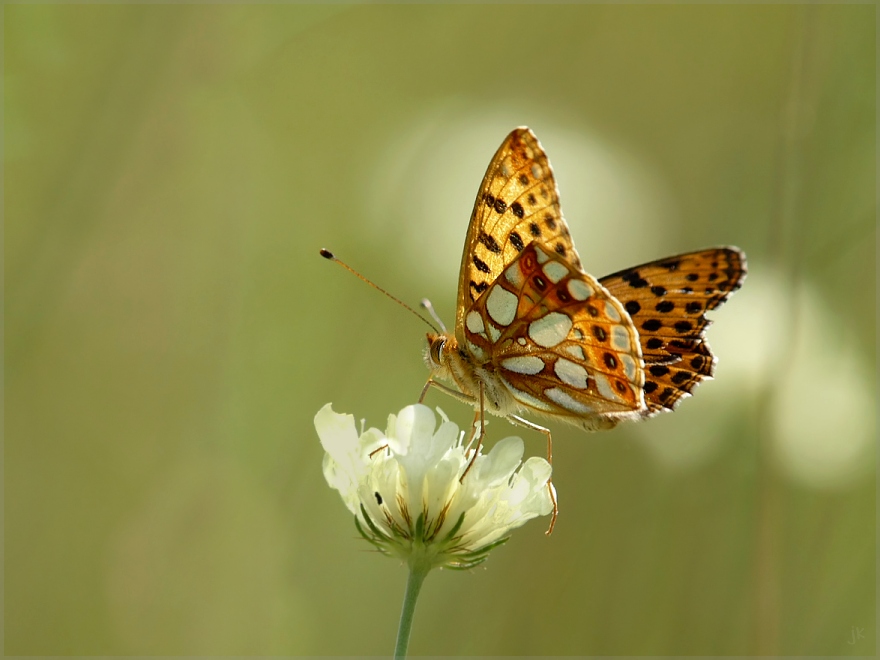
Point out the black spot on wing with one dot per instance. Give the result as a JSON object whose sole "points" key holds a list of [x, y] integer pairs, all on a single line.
{"points": [[517, 241], [490, 243], [480, 264]]}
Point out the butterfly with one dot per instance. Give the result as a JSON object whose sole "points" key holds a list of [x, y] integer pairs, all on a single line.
{"points": [[534, 333]]}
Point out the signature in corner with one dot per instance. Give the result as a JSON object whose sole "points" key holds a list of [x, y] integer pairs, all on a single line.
{"points": [[855, 635]]}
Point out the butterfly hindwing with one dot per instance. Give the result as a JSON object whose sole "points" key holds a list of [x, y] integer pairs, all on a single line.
{"points": [[667, 300], [561, 344]]}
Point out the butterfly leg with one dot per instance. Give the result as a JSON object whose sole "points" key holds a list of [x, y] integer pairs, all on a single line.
{"points": [[455, 394], [481, 415], [519, 421]]}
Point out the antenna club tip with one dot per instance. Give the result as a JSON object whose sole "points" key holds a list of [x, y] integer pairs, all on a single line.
{"points": [[327, 254]]}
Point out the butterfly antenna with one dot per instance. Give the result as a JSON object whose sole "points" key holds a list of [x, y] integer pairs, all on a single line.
{"points": [[332, 257], [426, 304]]}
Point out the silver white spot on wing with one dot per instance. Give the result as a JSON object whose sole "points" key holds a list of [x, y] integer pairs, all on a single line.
{"points": [[554, 271], [521, 341], [579, 289], [514, 276], [494, 332], [611, 311], [501, 305], [474, 322], [571, 373], [604, 387], [576, 352], [543, 257], [528, 365], [550, 329], [629, 366], [565, 400], [620, 338]]}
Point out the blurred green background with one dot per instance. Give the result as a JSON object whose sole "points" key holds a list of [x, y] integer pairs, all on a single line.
{"points": [[170, 330]]}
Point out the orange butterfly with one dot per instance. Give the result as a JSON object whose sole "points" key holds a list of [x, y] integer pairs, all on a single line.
{"points": [[535, 333]]}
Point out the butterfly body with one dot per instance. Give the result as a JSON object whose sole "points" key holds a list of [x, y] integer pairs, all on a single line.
{"points": [[535, 333]]}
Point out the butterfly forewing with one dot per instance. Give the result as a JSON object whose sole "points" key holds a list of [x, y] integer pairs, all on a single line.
{"points": [[517, 203], [667, 300]]}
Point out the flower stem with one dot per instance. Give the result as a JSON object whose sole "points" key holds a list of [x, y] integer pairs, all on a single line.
{"points": [[418, 571]]}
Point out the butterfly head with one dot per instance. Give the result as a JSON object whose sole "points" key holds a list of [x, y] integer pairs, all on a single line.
{"points": [[438, 349]]}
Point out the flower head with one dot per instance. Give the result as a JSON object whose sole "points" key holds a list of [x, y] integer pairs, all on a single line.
{"points": [[406, 490]]}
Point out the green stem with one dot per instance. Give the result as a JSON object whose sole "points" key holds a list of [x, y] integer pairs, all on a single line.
{"points": [[418, 571]]}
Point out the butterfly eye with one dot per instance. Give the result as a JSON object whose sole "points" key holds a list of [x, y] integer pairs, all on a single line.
{"points": [[436, 350]]}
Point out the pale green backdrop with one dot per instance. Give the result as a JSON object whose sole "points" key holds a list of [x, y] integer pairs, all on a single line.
{"points": [[170, 330]]}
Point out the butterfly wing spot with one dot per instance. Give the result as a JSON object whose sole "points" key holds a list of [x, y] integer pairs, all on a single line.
{"points": [[630, 368], [550, 330], [501, 305], [620, 338], [604, 387], [554, 271], [565, 400], [527, 365], [611, 311], [480, 264], [517, 242], [475, 322], [571, 373], [683, 327], [579, 289], [490, 243], [515, 276], [576, 352], [540, 255]]}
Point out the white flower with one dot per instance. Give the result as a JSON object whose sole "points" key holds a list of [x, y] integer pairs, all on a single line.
{"points": [[405, 488]]}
